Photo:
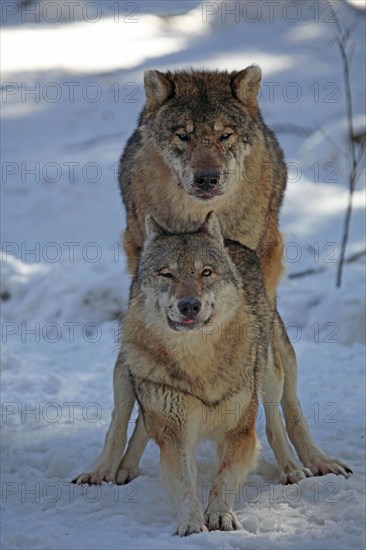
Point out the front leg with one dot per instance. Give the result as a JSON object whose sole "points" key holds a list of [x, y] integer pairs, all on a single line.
{"points": [[115, 442], [179, 475], [166, 421], [132, 242], [313, 458], [239, 457]]}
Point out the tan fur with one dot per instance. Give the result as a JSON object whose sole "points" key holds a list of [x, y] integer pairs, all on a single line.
{"points": [[153, 181], [180, 397], [194, 383], [253, 224], [253, 172]]}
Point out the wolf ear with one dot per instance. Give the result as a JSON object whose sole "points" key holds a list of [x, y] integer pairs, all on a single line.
{"points": [[211, 226], [157, 88], [153, 230], [245, 85]]}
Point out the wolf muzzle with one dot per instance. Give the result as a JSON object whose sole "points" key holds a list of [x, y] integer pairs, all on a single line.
{"points": [[189, 307]]}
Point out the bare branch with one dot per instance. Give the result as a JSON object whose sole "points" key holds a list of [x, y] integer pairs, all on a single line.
{"points": [[354, 160], [331, 139], [292, 129], [315, 270]]}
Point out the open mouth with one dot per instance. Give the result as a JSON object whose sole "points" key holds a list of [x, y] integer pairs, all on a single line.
{"points": [[206, 196], [187, 324]]}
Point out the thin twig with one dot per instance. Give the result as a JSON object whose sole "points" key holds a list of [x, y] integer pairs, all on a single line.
{"points": [[315, 270], [291, 129], [342, 41], [321, 129]]}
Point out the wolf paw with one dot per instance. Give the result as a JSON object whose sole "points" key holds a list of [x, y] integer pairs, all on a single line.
{"points": [[186, 528], [94, 478], [125, 476], [295, 476], [326, 466], [222, 521]]}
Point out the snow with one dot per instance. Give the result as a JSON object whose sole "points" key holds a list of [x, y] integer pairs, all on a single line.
{"points": [[64, 283]]}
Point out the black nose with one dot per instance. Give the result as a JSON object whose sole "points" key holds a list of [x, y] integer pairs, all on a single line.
{"points": [[189, 306], [206, 179]]}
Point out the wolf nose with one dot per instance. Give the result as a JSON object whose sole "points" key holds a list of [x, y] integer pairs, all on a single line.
{"points": [[206, 179], [189, 306]]}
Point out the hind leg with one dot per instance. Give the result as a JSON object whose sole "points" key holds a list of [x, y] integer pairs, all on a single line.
{"points": [[309, 453], [272, 387], [128, 468]]}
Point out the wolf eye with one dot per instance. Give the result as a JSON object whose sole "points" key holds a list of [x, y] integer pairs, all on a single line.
{"points": [[224, 136], [183, 137], [206, 272], [166, 274]]}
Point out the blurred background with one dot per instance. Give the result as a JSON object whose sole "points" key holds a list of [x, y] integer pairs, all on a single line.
{"points": [[72, 89]]}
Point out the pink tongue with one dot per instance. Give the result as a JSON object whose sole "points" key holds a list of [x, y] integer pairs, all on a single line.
{"points": [[188, 321]]}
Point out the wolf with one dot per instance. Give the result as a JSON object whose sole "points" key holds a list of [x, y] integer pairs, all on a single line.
{"points": [[201, 145], [194, 350]]}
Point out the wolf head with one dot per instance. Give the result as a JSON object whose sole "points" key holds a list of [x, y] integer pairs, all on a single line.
{"points": [[204, 124], [187, 280]]}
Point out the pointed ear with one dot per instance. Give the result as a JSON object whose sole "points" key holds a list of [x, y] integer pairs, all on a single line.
{"points": [[153, 230], [245, 85], [211, 226], [157, 88]]}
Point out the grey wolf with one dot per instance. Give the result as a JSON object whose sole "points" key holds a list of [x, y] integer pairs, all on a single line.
{"points": [[187, 377], [201, 144]]}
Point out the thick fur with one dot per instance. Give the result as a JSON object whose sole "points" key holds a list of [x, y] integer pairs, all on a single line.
{"points": [[194, 383], [157, 177], [157, 168]]}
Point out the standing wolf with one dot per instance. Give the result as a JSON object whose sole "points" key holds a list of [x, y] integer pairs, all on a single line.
{"points": [[201, 145], [194, 349]]}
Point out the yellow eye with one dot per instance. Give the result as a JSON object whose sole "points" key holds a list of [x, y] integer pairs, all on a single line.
{"points": [[206, 272]]}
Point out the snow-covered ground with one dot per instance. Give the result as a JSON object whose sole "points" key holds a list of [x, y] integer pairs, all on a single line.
{"points": [[64, 283]]}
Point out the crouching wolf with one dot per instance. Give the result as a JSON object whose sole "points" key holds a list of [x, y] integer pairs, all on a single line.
{"points": [[195, 346]]}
